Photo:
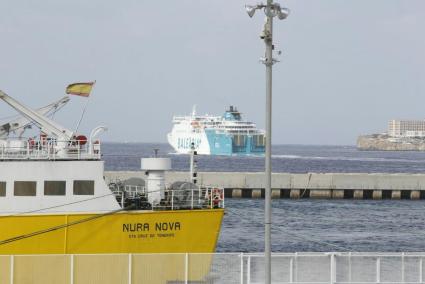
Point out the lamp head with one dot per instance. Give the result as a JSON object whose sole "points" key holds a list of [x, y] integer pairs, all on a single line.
{"points": [[250, 10], [282, 13]]}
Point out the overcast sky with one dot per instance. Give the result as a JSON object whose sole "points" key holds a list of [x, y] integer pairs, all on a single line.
{"points": [[347, 66]]}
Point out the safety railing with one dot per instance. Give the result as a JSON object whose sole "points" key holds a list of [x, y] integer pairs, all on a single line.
{"points": [[174, 199], [48, 150], [195, 198], [243, 268]]}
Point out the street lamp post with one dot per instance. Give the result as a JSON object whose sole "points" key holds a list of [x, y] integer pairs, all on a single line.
{"points": [[271, 10]]}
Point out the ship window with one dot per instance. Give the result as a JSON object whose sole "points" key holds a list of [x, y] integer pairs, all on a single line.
{"points": [[25, 188], [54, 187], [83, 187], [2, 188]]}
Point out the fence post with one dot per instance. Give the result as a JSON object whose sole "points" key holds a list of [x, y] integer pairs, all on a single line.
{"points": [[296, 267], [12, 268], [248, 270], [191, 201], [291, 270], [349, 266], [130, 263], [402, 267], [241, 255], [71, 281], [186, 269], [332, 265], [378, 269]]}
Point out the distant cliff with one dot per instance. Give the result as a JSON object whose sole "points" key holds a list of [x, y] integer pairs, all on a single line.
{"points": [[383, 142]]}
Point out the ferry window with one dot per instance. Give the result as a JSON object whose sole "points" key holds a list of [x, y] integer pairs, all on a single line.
{"points": [[25, 188], [83, 187], [54, 187], [2, 188]]}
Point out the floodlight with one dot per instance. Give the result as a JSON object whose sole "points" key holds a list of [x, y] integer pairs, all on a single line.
{"points": [[250, 10], [282, 13]]}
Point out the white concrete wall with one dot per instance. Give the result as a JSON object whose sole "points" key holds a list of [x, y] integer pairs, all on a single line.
{"points": [[354, 181]]}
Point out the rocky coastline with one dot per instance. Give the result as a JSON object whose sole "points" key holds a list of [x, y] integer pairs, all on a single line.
{"points": [[383, 142]]}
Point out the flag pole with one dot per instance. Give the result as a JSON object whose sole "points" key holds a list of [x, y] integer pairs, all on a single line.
{"points": [[84, 109]]}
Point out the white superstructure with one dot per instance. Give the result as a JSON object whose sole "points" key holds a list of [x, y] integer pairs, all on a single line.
{"points": [[216, 135], [57, 172]]}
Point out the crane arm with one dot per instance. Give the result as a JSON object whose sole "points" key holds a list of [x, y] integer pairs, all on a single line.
{"points": [[20, 124], [47, 125]]}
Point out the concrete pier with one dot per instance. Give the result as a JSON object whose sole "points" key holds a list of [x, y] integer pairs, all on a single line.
{"points": [[415, 195], [309, 185], [256, 193], [396, 194], [337, 194], [321, 193], [236, 193], [275, 193], [358, 194], [377, 194]]}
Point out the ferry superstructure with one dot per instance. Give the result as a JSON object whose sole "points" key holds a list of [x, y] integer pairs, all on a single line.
{"points": [[54, 199], [228, 134]]}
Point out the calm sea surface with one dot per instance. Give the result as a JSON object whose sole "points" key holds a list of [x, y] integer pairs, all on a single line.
{"points": [[306, 225]]}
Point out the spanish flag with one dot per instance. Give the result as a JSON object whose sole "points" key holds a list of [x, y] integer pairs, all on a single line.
{"points": [[80, 89]]}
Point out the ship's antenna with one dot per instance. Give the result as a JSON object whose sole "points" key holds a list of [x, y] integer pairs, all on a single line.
{"points": [[193, 110], [193, 164]]}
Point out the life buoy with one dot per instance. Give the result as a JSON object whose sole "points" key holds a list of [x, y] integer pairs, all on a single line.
{"points": [[31, 143], [81, 140], [215, 197]]}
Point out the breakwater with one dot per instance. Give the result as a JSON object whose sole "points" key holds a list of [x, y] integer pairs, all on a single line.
{"points": [[308, 185]]}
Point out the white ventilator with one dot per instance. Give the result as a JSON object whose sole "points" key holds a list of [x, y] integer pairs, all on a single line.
{"points": [[155, 181]]}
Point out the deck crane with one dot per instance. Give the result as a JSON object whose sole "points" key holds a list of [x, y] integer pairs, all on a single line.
{"points": [[64, 136], [19, 125]]}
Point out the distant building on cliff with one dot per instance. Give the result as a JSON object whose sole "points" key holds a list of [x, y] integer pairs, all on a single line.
{"points": [[406, 128]]}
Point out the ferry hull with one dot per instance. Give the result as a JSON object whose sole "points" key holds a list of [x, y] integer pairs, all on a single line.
{"points": [[125, 232]]}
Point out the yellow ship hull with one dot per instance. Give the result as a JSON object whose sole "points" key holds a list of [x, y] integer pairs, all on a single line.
{"points": [[124, 232]]}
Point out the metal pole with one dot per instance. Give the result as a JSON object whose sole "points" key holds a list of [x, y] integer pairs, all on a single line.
{"points": [[241, 256], [186, 269], [130, 273], [271, 10], [268, 40], [12, 269], [71, 281]]}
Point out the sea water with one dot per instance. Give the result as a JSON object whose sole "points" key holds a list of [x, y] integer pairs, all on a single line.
{"points": [[307, 224]]}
